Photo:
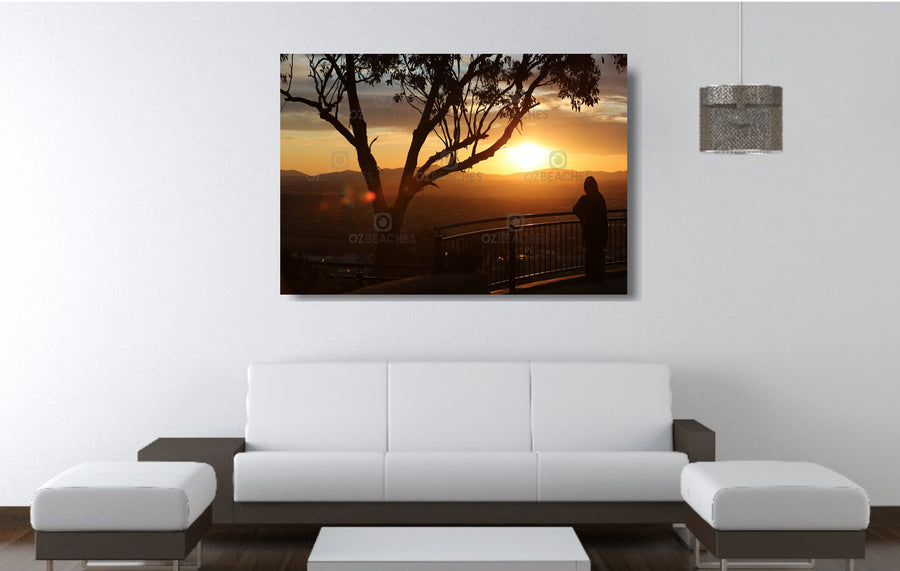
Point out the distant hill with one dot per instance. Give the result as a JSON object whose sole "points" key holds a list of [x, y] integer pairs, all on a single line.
{"points": [[606, 175], [296, 182]]}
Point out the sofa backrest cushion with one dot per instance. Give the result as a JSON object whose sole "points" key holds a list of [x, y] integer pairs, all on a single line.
{"points": [[595, 407], [317, 407], [459, 406]]}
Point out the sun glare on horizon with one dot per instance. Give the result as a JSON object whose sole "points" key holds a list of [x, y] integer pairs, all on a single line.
{"points": [[528, 156]]}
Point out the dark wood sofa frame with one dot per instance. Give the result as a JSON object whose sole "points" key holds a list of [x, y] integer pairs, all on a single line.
{"points": [[688, 436]]}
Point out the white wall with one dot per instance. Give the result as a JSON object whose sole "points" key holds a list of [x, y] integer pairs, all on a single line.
{"points": [[139, 212]]}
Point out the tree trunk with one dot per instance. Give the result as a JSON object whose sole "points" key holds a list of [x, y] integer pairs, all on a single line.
{"points": [[390, 244]]}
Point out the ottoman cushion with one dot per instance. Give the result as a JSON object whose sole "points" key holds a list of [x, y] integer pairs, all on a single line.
{"points": [[766, 495], [124, 496]]}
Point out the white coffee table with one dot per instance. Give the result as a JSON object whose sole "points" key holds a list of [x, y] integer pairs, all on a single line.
{"points": [[448, 549]]}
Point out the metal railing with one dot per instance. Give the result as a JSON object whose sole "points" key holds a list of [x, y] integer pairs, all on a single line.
{"points": [[521, 251]]}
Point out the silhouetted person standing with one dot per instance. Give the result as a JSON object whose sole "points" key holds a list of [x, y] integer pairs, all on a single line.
{"points": [[591, 211]]}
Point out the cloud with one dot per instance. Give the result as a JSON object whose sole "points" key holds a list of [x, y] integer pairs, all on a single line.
{"points": [[378, 107]]}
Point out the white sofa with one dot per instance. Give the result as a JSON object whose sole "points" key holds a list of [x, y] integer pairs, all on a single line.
{"points": [[462, 442]]}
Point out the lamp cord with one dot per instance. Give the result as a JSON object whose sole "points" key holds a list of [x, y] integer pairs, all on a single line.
{"points": [[740, 43]]}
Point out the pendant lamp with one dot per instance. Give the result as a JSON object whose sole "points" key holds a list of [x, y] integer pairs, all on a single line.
{"points": [[740, 118]]}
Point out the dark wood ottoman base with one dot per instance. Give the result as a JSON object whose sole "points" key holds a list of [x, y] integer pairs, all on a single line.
{"points": [[793, 544], [121, 545]]}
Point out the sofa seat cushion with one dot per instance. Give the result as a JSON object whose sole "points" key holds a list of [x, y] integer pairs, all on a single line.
{"points": [[308, 476], [124, 496], [610, 476], [460, 476], [768, 495]]}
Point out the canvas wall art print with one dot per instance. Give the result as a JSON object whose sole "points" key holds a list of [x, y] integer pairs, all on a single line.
{"points": [[454, 174]]}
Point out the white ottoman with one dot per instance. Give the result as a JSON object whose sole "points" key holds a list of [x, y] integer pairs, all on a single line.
{"points": [[123, 510], [763, 509]]}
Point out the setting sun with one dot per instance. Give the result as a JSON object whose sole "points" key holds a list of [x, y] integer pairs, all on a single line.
{"points": [[528, 156]]}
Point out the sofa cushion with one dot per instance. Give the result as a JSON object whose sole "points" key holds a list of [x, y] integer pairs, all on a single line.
{"points": [[460, 476], [327, 407], [610, 476], [772, 495], [459, 407], [596, 407], [124, 496], [308, 476]]}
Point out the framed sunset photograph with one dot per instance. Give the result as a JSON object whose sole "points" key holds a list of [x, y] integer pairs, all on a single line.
{"points": [[449, 174]]}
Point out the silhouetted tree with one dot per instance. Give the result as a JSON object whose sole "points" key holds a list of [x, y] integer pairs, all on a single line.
{"points": [[460, 99]]}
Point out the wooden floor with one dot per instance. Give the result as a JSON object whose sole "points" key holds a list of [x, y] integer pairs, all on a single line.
{"points": [[273, 548]]}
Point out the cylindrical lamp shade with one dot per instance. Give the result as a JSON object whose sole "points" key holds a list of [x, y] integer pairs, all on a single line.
{"points": [[740, 119]]}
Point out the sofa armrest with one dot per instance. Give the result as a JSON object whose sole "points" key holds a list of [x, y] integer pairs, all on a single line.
{"points": [[217, 452], [694, 439]]}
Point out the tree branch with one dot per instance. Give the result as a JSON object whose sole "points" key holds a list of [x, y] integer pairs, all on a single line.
{"points": [[323, 114], [449, 149], [515, 119]]}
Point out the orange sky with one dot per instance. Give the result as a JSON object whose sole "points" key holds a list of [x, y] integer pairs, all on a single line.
{"points": [[552, 135]]}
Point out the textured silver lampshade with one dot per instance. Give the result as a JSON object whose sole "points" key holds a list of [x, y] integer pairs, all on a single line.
{"points": [[740, 119]]}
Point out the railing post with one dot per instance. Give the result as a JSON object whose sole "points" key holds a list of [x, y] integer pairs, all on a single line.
{"points": [[439, 262], [511, 252]]}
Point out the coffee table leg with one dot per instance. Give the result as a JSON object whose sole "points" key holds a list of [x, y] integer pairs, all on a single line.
{"points": [[851, 564], [48, 566], [723, 564], [176, 565]]}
